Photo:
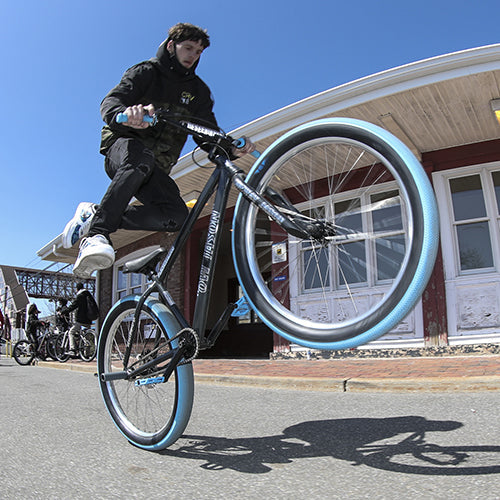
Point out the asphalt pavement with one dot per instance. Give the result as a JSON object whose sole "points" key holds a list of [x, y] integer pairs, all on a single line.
{"points": [[249, 443], [438, 373]]}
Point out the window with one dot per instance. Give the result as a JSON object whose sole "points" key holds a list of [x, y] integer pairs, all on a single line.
{"points": [[390, 245], [129, 283], [315, 264], [471, 219], [351, 256], [371, 252], [496, 183]]}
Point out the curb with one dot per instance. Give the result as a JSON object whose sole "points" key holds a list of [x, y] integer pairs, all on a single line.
{"points": [[427, 384], [289, 383], [420, 384], [76, 367], [430, 384]]}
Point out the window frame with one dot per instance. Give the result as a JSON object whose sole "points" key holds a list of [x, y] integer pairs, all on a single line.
{"points": [[129, 276], [449, 235], [370, 249]]}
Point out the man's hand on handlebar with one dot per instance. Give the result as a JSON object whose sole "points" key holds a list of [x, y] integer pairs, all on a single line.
{"points": [[135, 115]]}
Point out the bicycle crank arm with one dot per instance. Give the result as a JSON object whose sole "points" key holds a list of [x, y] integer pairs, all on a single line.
{"points": [[160, 379], [132, 373], [173, 364], [209, 341]]}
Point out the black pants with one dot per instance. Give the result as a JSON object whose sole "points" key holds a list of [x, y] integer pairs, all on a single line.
{"points": [[133, 172]]}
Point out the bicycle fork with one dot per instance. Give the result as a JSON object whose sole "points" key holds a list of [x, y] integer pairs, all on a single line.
{"points": [[296, 224]]}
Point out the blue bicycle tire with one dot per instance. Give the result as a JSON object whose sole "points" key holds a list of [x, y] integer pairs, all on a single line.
{"points": [[335, 137], [131, 406]]}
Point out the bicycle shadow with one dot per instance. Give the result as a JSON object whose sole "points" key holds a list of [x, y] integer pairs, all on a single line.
{"points": [[395, 444]]}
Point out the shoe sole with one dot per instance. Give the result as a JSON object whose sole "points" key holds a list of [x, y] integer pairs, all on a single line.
{"points": [[70, 227], [67, 233], [90, 263]]}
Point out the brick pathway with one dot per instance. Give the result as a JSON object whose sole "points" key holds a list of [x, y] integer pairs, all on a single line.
{"points": [[386, 368]]}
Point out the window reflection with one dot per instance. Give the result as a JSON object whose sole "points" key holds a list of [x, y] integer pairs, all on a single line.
{"points": [[467, 197], [474, 246]]}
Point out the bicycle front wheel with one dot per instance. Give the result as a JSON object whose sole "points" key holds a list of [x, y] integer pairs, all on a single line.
{"points": [[24, 352], [62, 347], [51, 347], [374, 219], [87, 345], [150, 415]]}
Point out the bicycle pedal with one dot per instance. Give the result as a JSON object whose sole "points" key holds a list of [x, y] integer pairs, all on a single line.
{"points": [[151, 380], [205, 344]]}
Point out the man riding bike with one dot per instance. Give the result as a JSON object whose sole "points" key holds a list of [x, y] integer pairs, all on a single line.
{"points": [[139, 158]]}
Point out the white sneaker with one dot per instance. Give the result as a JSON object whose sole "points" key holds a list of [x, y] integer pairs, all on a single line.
{"points": [[95, 254], [79, 225]]}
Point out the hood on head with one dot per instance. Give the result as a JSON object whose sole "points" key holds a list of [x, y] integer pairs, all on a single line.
{"points": [[170, 61]]}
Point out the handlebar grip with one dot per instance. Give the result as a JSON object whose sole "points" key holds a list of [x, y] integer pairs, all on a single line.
{"points": [[239, 143], [123, 118]]}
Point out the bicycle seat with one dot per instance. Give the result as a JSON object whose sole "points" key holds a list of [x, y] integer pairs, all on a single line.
{"points": [[145, 264]]}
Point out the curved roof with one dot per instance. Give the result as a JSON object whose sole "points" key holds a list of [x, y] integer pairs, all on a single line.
{"points": [[383, 84], [442, 91]]}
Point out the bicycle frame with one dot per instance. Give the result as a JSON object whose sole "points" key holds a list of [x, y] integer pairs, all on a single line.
{"points": [[43, 340], [65, 341], [65, 334], [225, 175]]}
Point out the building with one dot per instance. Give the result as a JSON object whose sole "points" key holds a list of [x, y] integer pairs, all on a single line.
{"points": [[443, 109], [14, 303]]}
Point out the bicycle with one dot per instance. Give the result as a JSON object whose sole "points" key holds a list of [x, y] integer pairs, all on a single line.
{"points": [[86, 345], [318, 195], [24, 351]]}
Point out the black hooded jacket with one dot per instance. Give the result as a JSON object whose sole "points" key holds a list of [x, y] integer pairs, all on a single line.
{"points": [[165, 83], [80, 304]]}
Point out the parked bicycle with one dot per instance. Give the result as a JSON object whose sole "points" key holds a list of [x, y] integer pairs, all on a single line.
{"points": [[308, 211], [86, 345], [25, 351]]}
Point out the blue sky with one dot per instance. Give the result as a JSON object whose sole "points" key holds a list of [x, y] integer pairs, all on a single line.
{"points": [[59, 59]]}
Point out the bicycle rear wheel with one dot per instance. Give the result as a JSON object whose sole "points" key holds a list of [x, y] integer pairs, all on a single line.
{"points": [[150, 415], [376, 234], [87, 345], [24, 352]]}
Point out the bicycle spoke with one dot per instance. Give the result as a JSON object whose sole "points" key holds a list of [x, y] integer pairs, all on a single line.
{"points": [[359, 202]]}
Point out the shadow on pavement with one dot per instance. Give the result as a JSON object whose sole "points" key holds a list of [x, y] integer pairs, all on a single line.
{"points": [[395, 444]]}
